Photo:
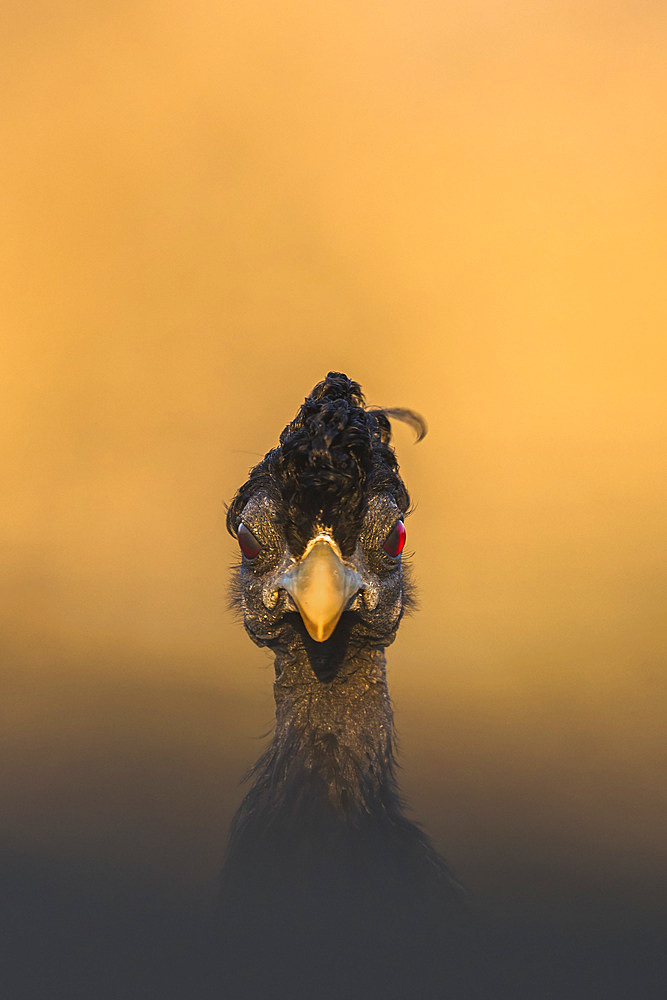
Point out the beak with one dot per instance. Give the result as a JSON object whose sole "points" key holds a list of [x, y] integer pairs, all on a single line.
{"points": [[321, 586]]}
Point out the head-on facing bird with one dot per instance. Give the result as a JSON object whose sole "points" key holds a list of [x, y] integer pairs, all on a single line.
{"points": [[320, 526], [320, 844]]}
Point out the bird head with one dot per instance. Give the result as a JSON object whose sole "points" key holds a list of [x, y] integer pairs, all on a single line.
{"points": [[320, 526]]}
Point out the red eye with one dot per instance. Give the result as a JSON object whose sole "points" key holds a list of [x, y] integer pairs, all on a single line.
{"points": [[395, 540], [250, 547]]}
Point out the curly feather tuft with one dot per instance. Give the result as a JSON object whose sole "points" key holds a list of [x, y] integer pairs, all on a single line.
{"points": [[332, 457]]}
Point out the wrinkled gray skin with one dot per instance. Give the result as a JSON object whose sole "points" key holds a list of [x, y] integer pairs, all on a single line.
{"points": [[378, 606]]}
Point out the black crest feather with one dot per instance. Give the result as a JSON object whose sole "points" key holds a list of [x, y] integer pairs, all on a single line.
{"points": [[332, 457]]}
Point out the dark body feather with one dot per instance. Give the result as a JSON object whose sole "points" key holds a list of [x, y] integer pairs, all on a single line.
{"points": [[328, 889]]}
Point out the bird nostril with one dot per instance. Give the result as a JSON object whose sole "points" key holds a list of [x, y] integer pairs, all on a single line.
{"points": [[290, 603], [355, 603]]}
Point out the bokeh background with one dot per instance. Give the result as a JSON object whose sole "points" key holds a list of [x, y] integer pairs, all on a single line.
{"points": [[207, 206]]}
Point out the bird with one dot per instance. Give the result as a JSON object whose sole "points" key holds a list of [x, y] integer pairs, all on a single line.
{"points": [[328, 888]]}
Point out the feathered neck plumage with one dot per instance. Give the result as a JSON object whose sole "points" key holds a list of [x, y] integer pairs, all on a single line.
{"points": [[332, 749]]}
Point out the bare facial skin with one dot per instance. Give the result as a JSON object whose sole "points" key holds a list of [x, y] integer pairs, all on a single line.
{"points": [[370, 585]]}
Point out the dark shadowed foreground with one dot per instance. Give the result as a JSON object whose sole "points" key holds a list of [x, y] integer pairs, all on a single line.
{"points": [[85, 930]]}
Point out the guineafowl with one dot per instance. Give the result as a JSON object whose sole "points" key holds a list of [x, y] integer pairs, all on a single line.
{"points": [[328, 889]]}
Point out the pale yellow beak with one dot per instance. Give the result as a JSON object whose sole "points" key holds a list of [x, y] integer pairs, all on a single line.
{"points": [[321, 586]]}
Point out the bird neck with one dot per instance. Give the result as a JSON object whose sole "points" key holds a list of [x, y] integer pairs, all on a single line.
{"points": [[339, 732], [332, 748], [324, 798]]}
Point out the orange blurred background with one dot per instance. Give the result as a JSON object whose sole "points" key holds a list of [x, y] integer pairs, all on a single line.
{"points": [[207, 207]]}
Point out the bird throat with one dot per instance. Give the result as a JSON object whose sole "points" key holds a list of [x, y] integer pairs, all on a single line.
{"points": [[331, 753]]}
